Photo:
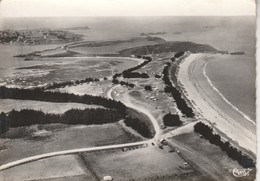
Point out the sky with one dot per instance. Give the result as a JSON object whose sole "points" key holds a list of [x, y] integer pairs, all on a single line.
{"points": [[48, 8]]}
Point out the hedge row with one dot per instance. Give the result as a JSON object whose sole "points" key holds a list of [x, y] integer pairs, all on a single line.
{"points": [[232, 152]]}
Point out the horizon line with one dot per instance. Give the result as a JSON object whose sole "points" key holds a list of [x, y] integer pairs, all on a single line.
{"points": [[128, 16]]}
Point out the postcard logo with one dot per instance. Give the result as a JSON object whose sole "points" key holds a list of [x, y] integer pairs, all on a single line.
{"points": [[240, 172]]}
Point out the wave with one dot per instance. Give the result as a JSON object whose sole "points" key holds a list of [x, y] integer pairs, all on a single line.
{"points": [[221, 95]]}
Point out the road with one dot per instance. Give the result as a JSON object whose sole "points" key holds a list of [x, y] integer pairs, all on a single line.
{"points": [[66, 152], [203, 165], [127, 101]]}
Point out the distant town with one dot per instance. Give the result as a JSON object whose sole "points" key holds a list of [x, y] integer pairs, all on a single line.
{"points": [[37, 36]]}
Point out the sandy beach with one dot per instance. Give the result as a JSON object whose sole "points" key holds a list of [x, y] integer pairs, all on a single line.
{"points": [[211, 105]]}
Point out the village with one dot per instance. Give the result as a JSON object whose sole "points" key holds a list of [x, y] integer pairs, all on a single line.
{"points": [[37, 37]]}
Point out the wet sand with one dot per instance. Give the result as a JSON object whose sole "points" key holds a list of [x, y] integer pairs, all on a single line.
{"points": [[208, 103]]}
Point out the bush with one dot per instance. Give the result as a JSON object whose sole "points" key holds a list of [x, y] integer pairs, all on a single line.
{"points": [[179, 54], [172, 120], [148, 88], [157, 76]]}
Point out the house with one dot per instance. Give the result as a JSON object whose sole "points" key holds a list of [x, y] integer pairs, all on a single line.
{"points": [[107, 178]]}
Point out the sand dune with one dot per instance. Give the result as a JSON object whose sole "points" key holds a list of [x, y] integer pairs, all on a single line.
{"points": [[210, 104]]}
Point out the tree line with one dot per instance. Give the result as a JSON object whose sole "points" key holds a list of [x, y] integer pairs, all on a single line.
{"points": [[141, 127], [179, 54], [147, 60], [207, 132], [40, 95], [131, 85], [128, 73], [70, 83], [180, 102], [27, 117], [136, 75]]}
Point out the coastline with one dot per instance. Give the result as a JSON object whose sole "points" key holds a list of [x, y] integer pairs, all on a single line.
{"points": [[224, 98], [234, 77], [210, 105]]}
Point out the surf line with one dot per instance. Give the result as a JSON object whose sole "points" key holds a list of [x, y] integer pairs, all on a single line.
{"points": [[221, 95]]}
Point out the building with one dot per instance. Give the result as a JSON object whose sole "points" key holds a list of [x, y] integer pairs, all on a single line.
{"points": [[107, 178]]}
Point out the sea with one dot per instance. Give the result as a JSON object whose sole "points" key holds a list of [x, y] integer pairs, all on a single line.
{"points": [[234, 76]]}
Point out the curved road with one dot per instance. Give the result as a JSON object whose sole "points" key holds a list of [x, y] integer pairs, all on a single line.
{"points": [[126, 100]]}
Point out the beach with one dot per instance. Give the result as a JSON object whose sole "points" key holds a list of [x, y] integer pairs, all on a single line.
{"points": [[211, 105]]}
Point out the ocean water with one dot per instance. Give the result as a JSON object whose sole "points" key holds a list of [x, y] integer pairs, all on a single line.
{"points": [[224, 33], [234, 76]]}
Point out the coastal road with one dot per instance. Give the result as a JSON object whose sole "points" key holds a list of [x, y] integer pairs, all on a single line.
{"points": [[211, 105]]}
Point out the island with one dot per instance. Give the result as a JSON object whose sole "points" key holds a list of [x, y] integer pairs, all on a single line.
{"points": [[153, 33]]}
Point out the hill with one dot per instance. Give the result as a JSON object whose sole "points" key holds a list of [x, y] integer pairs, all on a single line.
{"points": [[168, 47]]}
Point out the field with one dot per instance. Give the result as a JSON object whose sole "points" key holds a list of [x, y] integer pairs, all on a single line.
{"points": [[23, 142], [60, 167], [113, 48], [93, 88], [139, 164], [7, 105], [201, 154], [49, 70]]}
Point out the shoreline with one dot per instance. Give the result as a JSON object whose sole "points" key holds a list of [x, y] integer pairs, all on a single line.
{"points": [[224, 98], [211, 106]]}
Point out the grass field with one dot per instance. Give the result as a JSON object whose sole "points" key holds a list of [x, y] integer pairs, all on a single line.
{"points": [[211, 154], [113, 48], [149, 163], [6, 105], [49, 70], [23, 142], [95, 88], [55, 168]]}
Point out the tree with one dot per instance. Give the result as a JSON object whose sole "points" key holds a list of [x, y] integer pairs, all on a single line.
{"points": [[3, 123], [172, 120], [148, 88]]}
